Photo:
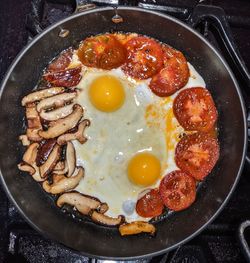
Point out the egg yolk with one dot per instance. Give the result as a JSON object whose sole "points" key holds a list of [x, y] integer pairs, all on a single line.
{"points": [[106, 93], [144, 169]]}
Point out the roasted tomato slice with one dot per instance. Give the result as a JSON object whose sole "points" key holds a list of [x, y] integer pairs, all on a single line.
{"points": [[150, 205], [124, 38], [195, 110], [103, 51], [64, 78], [173, 76], [178, 190], [62, 61], [144, 58], [197, 154]]}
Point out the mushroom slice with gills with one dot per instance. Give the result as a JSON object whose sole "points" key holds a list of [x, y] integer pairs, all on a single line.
{"points": [[83, 203], [78, 135], [55, 101], [106, 220], [26, 168], [70, 158], [136, 227], [24, 140], [51, 162], [41, 94], [56, 114], [62, 183], [61, 126], [33, 123]]}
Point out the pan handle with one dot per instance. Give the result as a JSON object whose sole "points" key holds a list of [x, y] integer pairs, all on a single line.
{"points": [[243, 242], [217, 16], [83, 5], [34, 18]]}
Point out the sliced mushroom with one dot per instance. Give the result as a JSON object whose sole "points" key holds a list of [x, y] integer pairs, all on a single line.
{"points": [[55, 101], [57, 113], [63, 184], [70, 158], [32, 117], [63, 170], [30, 166], [59, 166], [79, 135], [24, 139], [51, 162], [30, 154], [103, 208], [67, 167], [107, 220], [44, 150], [84, 204], [63, 125], [26, 168], [136, 228], [34, 123], [36, 176], [33, 135], [41, 94]]}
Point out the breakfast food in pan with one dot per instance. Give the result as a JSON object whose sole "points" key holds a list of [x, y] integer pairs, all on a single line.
{"points": [[121, 129]]}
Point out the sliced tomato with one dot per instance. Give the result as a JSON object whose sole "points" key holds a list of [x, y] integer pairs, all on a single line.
{"points": [[64, 78], [62, 61], [124, 38], [177, 190], [103, 51], [150, 205], [197, 154], [195, 110], [144, 58], [173, 76]]}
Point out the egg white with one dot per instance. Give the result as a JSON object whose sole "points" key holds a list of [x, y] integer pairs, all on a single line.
{"points": [[145, 122]]}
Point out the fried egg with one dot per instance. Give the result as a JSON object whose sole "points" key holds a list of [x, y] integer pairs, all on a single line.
{"points": [[131, 139]]}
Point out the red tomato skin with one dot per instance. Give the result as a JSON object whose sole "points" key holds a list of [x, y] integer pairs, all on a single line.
{"points": [[103, 51], [173, 76], [150, 205], [62, 61], [197, 154], [64, 78], [144, 58], [208, 113], [178, 190]]}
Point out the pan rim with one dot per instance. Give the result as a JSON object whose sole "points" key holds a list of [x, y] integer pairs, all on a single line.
{"points": [[191, 30]]}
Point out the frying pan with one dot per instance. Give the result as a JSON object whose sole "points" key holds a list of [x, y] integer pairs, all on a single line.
{"points": [[90, 239]]}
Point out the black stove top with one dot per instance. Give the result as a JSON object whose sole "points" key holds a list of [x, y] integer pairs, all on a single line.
{"points": [[21, 20]]}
